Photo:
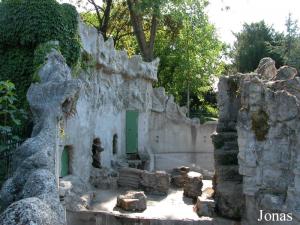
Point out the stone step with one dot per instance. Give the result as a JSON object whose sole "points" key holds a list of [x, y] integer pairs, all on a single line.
{"points": [[228, 173], [231, 145], [219, 139], [226, 157]]}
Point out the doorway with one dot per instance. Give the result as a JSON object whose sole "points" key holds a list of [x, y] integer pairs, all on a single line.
{"points": [[132, 132]]}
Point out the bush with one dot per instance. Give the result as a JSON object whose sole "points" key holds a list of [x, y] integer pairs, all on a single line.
{"points": [[24, 25], [10, 116]]}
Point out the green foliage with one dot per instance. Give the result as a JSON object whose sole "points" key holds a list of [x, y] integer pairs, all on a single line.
{"points": [[24, 25], [16, 65], [290, 46], [189, 53], [40, 54], [10, 116], [254, 42]]}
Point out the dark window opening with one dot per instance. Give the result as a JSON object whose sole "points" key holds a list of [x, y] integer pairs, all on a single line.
{"points": [[96, 150], [115, 144]]}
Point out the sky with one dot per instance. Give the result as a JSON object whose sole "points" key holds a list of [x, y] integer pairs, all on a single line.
{"points": [[274, 12]]}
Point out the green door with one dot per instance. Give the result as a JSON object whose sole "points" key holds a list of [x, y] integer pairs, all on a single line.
{"points": [[64, 163], [132, 132]]}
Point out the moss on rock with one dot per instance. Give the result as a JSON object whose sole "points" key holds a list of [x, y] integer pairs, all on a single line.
{"points": [[260, 125]]}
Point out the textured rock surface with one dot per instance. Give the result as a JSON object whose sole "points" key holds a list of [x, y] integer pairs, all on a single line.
{"points": [[132, 201], [266, 68], [268, 152], [193, 185], [285, 73], [33, 186], [267, 130], [179, 176]]}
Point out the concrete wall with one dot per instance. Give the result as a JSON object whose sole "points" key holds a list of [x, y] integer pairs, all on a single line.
{"points": [[181, 142]]}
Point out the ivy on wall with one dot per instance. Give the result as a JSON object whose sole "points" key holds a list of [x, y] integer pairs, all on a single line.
{"points": [[25, 25]]}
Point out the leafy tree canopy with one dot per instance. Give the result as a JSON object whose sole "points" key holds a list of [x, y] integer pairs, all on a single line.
{"points": [[254, 42], [190, 52]]}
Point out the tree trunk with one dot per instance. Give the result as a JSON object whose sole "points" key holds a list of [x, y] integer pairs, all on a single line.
{"points": [[105, 19], [146, 48]]}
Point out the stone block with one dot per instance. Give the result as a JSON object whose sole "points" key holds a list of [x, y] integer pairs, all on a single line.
{"points": [[205, 207], [193, 186], [179, 176], [156, 183], [132, 201]]}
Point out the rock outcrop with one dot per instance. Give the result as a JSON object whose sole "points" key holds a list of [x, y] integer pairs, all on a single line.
{"points": [[265, 110], [266, 68], [31, 194]]}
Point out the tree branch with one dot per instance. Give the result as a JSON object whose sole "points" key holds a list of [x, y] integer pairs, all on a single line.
{"points": [[105, 19], [153, 30], [97, 12]]}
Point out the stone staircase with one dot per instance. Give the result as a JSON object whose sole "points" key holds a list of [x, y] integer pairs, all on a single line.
{"points": [[228, 182]]}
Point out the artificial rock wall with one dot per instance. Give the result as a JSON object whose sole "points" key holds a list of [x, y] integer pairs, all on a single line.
{"points": [[114, 83], [262, 108], [72, 110]]}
